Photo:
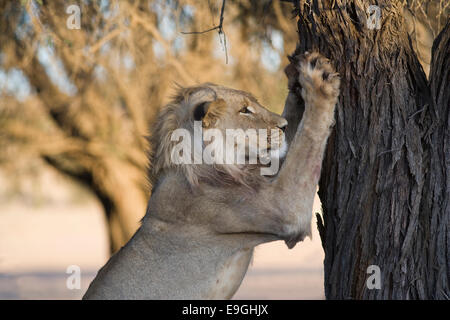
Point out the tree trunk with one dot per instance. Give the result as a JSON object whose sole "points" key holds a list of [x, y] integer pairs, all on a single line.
{"points": [[436, 194], [385, 182]]}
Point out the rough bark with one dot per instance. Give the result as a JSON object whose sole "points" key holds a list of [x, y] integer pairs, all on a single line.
{"points": [[436, 194], [385, 179]]}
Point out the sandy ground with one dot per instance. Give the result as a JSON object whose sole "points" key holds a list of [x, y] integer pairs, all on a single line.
{"points": [[37, 244]]}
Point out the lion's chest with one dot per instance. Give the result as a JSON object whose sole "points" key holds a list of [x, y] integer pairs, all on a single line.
{"points": [[230, 276]]}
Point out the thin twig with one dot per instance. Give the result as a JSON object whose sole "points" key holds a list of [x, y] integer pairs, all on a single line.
{"points": [[205, 31], [218, 27], [224, 45]]}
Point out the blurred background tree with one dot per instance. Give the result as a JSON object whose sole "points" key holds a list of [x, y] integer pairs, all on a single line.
{"points": [[83, 99]]}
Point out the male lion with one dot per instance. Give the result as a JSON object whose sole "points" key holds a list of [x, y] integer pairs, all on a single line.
{"points": [[203, 220]]}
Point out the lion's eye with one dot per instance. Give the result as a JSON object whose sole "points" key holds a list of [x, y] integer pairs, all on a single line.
{"points": [[245, 110]]}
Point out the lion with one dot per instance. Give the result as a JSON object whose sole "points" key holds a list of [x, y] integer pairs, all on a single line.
{"points": [[203, 220]]}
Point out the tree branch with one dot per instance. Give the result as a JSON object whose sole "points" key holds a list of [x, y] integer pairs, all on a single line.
{"points": [[219, 28]]}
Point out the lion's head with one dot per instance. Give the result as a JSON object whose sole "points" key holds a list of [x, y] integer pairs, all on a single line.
{"points": [[195, 120]]}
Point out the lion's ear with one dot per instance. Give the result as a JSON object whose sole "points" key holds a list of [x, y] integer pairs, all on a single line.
{"points": [[200, 111], [209, 112]]}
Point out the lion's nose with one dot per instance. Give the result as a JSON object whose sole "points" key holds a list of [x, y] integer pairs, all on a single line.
{"points": [[282, 125]]}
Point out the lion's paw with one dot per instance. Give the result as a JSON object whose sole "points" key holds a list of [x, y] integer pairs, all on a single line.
{"points": [[317, 77]]}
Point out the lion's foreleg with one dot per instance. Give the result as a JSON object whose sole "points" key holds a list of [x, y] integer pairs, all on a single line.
{"points": [[298, 178]]}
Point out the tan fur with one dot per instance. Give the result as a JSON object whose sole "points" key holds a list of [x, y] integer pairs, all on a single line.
{"points": [[203, 221]]}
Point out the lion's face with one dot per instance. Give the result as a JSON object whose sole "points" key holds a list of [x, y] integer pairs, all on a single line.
{"points": [[237, 135], [252, 131]]}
